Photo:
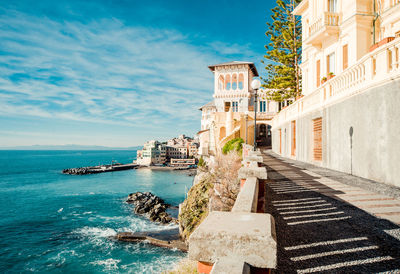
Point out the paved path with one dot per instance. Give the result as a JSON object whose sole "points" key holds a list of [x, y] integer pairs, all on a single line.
{"points": [[330, 222]]}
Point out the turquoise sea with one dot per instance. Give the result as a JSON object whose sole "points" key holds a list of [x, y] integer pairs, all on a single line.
{"points": [[53, 223]]}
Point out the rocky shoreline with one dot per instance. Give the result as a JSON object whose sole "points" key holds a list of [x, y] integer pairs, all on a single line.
{"points": [[154, 208], [151, 206]]}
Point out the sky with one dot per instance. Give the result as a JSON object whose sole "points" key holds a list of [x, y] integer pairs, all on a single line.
{"points": [[117, 73]]}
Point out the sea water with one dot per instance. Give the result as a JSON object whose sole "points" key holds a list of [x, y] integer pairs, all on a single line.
{"points": [[56, 223]]}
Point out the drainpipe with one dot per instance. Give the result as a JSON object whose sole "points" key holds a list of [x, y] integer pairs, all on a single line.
{"points": [[374, 24]]}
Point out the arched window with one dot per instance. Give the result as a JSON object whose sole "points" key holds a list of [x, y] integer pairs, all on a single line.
{"points": [[234, 81], [228, 82], [221, 82], [241, 81]]}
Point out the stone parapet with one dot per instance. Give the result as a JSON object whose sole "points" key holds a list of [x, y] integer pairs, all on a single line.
{"points": [[252, 171], [247, 237], [248, 197]]}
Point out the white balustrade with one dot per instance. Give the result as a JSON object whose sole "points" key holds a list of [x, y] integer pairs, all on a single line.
{"points": [[376, 67]]}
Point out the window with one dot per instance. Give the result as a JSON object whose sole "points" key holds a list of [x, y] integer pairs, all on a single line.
{"points": [[235, 106], [318, 73], [345, 56], [234, 81], [221, 82], [330, 63], [263, 106], [228, 82], [241, 81], [332, 5], [227, 106]]}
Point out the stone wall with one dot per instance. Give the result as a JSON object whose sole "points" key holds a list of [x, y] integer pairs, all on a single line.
{"points": [[373, 152]]}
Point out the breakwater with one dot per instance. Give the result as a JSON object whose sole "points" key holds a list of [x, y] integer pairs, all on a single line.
{"points": [[99, 169]]}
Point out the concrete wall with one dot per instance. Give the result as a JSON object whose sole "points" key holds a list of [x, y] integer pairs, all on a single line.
{"points": [[375, 118]]}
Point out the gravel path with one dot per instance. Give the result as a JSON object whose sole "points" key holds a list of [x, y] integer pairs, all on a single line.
{"points": [[319, 231]]}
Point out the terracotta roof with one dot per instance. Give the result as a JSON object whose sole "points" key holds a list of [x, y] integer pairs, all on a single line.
{"points": [[251, 64], [210, 104], [202, 131]]}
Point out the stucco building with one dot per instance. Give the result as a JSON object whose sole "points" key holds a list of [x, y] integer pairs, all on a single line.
{"points": [[231, 112], [350, 120], [153, 153]]}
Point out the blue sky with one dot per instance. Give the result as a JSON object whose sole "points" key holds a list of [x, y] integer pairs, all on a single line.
{"points": [[116, 73]]}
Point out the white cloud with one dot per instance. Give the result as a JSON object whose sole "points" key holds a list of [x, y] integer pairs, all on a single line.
{"points": [[104, 72]]}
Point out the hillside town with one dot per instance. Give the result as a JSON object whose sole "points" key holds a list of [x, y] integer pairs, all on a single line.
{"points": [[180, 151]]}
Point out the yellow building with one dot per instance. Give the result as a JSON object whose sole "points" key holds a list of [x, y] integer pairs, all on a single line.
{"points": [[338, 33], [348, 119]]}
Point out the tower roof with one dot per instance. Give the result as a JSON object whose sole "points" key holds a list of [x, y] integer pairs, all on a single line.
{"points": [[251, 64], [210, 104]]}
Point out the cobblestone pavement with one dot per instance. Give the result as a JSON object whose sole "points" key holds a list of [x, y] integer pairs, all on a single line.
{"points": [[330, 222]]}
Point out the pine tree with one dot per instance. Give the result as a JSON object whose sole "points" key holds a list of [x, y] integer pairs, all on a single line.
{"points": [[284, 50]]}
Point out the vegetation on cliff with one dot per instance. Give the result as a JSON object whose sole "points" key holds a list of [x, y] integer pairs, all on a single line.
{"points": [[215, 189], [195, 208]]}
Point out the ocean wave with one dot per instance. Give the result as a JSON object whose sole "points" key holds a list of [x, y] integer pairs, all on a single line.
{"points": [[96, 232], [132, 223], [109, 264]]}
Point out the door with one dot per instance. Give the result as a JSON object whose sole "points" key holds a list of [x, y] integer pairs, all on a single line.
{"points": [[317, 133]]}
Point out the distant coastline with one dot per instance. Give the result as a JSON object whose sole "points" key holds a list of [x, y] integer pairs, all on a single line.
{"points": [[68, 147]]}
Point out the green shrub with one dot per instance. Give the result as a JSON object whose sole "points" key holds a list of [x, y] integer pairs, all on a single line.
{"points": [[201, 162], [233, 145]]}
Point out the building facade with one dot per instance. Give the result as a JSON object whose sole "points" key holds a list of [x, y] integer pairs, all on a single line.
{"points": [[348, 119], [338, 33], [230, 113], [153, 153]]}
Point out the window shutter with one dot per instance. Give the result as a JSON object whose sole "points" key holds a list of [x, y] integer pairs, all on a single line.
{"points": [[345, 56]]}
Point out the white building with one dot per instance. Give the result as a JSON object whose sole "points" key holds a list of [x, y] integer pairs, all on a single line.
{"points": [[230, 114], [153, 153]]}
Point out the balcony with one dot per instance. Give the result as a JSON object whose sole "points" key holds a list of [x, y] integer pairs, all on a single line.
{"points": [[322, 28]]}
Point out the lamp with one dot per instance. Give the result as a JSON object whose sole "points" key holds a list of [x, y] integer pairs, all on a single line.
{"points": [[255, 85]]}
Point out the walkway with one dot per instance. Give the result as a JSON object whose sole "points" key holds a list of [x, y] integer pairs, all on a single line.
{"points": [[325, 221]]}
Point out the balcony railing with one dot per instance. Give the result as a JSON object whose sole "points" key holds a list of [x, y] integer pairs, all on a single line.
{"points": [[394, 2], [319, 26], [377, 67]]}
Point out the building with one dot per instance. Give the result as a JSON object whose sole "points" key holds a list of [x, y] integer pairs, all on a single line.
{"points": [[338, 33], [230, 114], [193, 149], [182, 162], [153, 153], [348, 119], [181, 147]]}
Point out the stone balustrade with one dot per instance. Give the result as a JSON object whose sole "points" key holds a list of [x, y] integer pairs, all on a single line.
{"points": [[248, 197], [232, 242]]}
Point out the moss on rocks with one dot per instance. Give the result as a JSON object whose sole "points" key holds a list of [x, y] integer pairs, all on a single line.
{"points": [[195, 208]]}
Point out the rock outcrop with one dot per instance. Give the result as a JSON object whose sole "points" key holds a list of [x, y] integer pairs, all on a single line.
{"points": [[77, 171], [167, 238], [150, 205]]}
